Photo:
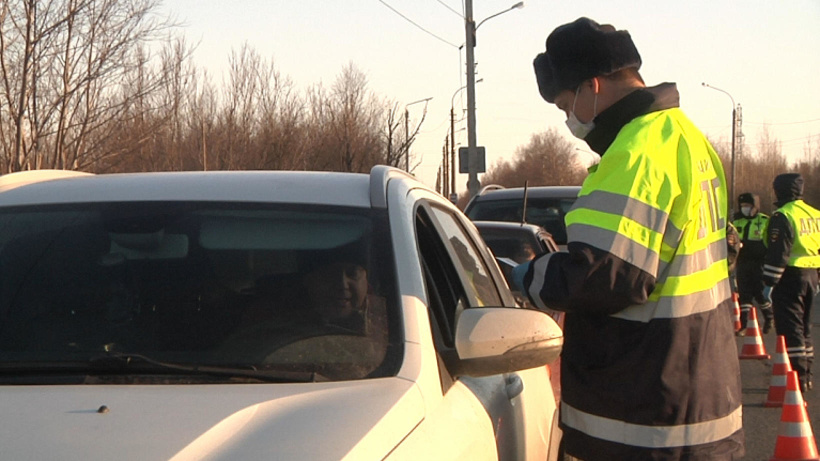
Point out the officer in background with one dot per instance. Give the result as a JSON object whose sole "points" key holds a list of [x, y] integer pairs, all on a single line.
{"points": [[790, 271], [649, 368], [751, 225]]}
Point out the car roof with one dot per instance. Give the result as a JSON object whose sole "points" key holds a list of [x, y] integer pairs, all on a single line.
{"points": [[494, 192], [331, 188], [536, 192], [504, 225]]}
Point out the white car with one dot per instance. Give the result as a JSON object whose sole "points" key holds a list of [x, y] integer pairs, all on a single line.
{"points": [[261, 315]]}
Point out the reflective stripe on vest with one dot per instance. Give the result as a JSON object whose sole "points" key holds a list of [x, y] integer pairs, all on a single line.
{"points": [[652, 436], [649, 223], [805, 221], [667, 307]]}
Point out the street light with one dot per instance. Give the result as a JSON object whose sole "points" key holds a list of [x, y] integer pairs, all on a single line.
{"points": [[470, 27], [514, 7], [734, 124], [407, 130], [453, 136]]}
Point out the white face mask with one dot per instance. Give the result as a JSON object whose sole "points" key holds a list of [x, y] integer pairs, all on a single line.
{"points": [[746, 210], [579, 129]]}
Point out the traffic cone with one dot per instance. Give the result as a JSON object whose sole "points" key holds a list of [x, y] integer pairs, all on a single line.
{"points": [[780, 370], [738, 325], [752, 342], [795, 440]]}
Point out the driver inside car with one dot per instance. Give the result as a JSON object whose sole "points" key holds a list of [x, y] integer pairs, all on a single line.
{"points": [[328, 315]]}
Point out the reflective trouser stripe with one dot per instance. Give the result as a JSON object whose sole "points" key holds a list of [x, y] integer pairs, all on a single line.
{"points": [[773, 271], [800, 352], [652, 436]]}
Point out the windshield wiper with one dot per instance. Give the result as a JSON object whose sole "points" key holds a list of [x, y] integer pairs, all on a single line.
{"points": [[127, 360], [121, 361]]}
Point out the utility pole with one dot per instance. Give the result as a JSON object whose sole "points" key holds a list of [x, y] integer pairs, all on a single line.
{"points": [[472, 167], [472, 150], [452, 151], [739, 132], [445, 151], [407, 139], [732, 196]]}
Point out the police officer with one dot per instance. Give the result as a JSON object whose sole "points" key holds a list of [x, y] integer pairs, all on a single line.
{"points": [[649, 368], [751, 225], [790, 271]]}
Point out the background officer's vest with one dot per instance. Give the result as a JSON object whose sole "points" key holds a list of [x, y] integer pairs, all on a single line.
{"points": [[805, 221]]}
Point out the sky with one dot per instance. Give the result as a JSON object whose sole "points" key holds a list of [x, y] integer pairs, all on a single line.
{"points": [[762, 54]]}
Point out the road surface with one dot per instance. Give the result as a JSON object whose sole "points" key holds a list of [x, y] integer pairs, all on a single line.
{"points": [[761, 423]]}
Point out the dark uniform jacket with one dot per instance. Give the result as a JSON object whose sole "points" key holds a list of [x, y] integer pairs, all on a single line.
{"points": [[648, 371], [752, 231]]}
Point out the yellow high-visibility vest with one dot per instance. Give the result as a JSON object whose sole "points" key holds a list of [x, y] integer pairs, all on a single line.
{"points": [[805, 221]]}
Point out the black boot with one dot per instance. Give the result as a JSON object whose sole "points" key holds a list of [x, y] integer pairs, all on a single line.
{"points": [[767, 325], [768, 316]]}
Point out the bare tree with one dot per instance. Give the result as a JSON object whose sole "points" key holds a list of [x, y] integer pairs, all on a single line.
{"points": [[398, 136], [548, 159], [345, 124], [62, 65]]}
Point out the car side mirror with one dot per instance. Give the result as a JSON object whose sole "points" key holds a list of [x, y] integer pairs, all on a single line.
{"points": [[494, 340]]}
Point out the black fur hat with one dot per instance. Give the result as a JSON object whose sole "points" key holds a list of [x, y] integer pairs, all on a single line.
{"points": [[788, 187], [581, 50]]}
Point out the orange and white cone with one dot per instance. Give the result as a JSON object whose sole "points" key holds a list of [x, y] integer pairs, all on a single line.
{"points": [[752, 342], [736, 300], [795, 440], [780, 370]]}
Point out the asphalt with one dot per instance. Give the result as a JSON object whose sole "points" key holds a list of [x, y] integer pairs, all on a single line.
{"points": [[761, 423]]}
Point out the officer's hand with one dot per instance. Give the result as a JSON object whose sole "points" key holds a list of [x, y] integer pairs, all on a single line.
{"points": [[518, 273], [767, 294]]}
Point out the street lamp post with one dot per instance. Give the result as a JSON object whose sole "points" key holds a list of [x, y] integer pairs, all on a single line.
{"points": [[734, 137], [470, 29], [453, 136], [407, 131]]}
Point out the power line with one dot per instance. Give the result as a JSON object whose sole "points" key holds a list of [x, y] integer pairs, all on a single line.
{"points": [[451, 9], [785, 123], [412, 22], [806, 138]]}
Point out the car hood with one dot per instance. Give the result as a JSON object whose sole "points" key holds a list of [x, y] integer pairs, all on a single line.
{"points": [[357, 419]]}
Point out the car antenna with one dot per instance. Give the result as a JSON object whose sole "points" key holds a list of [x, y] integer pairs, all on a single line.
{"points": [[524, 209]]}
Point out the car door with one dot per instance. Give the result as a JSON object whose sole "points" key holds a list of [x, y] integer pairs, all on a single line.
{"points": [[458, 276]]}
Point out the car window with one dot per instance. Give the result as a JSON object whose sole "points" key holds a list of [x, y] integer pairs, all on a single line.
{"points": [[446, 293], [480, 288], [251, 286], [519, 244], [548, 213]]}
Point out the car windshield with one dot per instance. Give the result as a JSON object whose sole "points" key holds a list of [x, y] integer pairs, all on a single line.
{"points": [[186, 287], [548, 213]]}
